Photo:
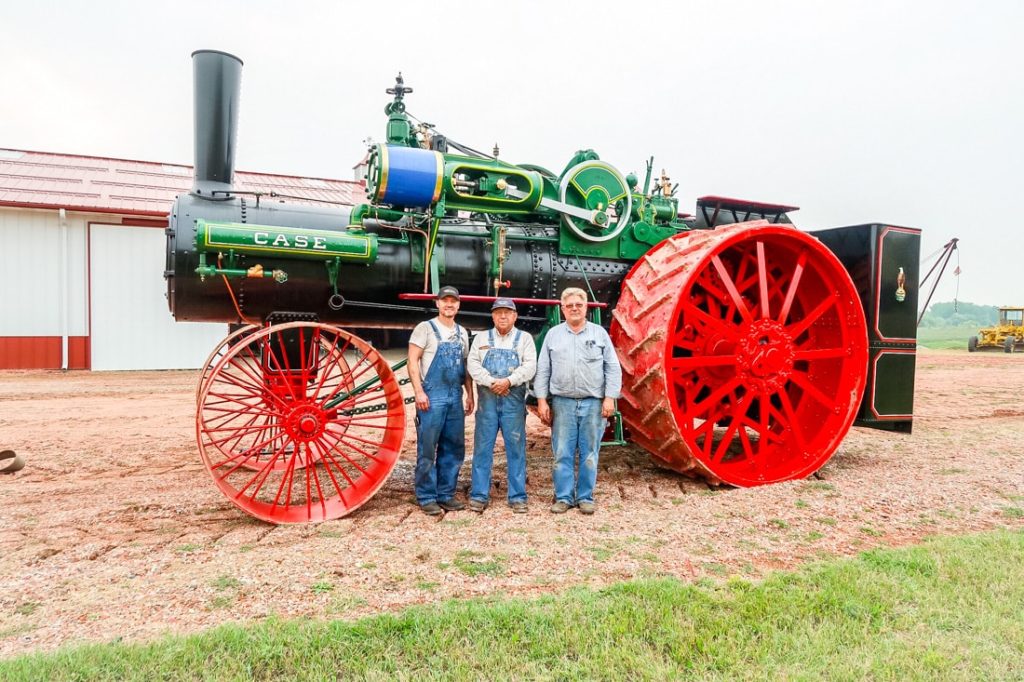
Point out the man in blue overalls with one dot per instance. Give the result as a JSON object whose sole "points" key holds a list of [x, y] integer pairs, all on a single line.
{"points": [[437, 370], [501, 362]]}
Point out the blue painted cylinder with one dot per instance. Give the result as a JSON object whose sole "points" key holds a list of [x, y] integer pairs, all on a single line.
{"points": [[406, 177]]}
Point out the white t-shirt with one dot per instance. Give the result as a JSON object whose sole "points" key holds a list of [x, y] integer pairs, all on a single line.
{"points": [[424, 337]]}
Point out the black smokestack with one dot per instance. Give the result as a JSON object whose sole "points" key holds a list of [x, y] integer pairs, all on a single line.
{"points": [[217, 77]]}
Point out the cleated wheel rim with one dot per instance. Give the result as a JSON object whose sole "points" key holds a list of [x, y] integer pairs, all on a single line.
{"points": [[744, 353], [304, 422]]}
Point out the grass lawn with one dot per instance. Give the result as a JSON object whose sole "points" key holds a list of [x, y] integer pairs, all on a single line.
{"points": [[951, 608], [945, 337]]}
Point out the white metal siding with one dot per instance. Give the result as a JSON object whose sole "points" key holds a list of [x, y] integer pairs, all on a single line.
{"points": [[35, 277], [131, 326]]}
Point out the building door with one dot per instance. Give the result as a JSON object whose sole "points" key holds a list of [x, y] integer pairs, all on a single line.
{"points": [[130, 325]]}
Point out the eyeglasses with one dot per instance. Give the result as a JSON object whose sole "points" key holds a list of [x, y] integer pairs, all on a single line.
{"points": [[574, 305]]}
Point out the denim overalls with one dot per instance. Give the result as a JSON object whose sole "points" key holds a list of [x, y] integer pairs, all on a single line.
{"points": [[507, 413], [441, 429]]}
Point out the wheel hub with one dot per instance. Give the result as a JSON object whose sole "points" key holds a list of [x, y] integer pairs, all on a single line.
{"points": [[765, 353], [305, 422]]}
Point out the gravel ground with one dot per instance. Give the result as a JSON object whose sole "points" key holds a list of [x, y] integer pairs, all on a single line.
{"points": [[114, 530]]}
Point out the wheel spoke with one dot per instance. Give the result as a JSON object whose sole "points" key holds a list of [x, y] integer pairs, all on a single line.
{"points": [[794, 282], [812, 390], [798, 328], [736, 421], [794, 424], [730, 286], [711, 400], [762, 278], [726, 329], [821, 354], [764, 413], [685, 365], [336, 443]]}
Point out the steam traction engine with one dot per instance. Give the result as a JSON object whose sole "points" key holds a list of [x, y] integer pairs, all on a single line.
{"points": [[749, 348]]}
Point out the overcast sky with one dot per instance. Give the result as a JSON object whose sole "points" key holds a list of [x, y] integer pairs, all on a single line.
{"points": [[909, 113]]}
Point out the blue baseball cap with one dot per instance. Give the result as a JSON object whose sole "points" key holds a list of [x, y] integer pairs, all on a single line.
{"points": [[503, 303]]}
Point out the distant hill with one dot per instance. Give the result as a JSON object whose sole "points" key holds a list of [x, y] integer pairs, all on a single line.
{"points": [[960, 314]]}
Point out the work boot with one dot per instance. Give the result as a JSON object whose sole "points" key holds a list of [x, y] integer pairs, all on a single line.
{"points": [[560, 507], [518, 507], [432, 509], [477, 506], [451, 505], [587, 508]]}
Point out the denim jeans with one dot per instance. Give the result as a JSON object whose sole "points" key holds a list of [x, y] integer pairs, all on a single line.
{"points": [[576, 430], [509, 414], [440, 446]]}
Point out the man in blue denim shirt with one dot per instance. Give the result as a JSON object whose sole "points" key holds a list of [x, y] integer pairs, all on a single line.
{"points": [[578, 380]]}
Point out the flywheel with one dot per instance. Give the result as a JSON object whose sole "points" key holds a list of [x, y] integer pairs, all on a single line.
{"points": [[599, 188], [744, 353]]}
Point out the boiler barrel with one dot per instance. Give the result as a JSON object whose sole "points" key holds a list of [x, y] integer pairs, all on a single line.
{"points": [[370, 291]]}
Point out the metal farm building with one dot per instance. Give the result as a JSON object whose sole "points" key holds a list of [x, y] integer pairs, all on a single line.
{"points": [[83, 247]]}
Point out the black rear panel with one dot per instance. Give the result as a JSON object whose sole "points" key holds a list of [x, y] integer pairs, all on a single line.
{"points": [[873, 255]]}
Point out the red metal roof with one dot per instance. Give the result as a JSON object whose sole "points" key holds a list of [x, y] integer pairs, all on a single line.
{"points": [[124, 187]]}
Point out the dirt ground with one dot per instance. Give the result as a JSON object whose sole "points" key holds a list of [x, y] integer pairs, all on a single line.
{"points": [[114, 530]]}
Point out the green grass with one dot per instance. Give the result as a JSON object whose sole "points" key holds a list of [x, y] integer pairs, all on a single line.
{"points": [[945, 337], [948, 609], [475, 563]]}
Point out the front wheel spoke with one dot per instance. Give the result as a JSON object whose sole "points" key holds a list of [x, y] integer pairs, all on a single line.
{"points": [[325, 457], [328, 459], [336, 445], [226, 418], [287, 481], [257, 387], [331, 358], [344, 438], [366, 396], [225, 412], [250, 452], [812, 390], [730, 287], [246, 401], [349, 384], [240, 376], [256, 446], [357, 422], [316, 480], [263, 472]]}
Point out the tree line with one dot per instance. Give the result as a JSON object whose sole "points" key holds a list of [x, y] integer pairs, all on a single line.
{"points": [[960, 314]]}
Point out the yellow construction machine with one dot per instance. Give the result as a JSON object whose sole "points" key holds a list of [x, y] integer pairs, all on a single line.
{"points": [[1007, 334]]}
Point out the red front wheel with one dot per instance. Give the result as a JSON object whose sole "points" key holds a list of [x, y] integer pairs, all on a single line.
{"points": [[302, 422]]}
